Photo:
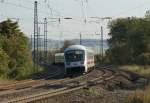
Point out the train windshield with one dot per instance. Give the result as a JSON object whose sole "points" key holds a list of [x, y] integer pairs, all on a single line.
{"points": [[74, 55]]}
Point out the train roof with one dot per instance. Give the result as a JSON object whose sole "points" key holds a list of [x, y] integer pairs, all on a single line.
{"points": [[59, 54], [77, 47]]}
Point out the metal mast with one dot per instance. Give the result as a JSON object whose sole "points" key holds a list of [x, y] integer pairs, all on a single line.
{"points": [[45, 39], [35, 35], [80, 39], [31, 43], [39, 45], [102, 43]]}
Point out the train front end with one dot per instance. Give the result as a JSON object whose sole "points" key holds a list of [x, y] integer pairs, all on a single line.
{"points": [[74, 60]]}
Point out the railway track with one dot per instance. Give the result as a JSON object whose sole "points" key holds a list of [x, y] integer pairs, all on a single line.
{"points": [[28, 83], [43, 83], [33, 83], [67, 86]]}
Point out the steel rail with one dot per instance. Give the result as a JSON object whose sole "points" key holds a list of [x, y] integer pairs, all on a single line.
{"points": [[62, 90], [27, 83]]}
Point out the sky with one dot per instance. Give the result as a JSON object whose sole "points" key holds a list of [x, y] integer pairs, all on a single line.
{"points": [[78, 10]]}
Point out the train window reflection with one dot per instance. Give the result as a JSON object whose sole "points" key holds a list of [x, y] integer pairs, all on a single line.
{"points": [[74, 55]]}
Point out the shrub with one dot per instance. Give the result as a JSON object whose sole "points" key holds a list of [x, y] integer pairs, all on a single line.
{"points": [[144, 59], [15, 56]]}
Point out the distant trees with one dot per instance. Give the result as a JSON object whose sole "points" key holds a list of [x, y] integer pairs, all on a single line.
{"points": [[15, 58], [130, 41], [147, 14], [67, 43]]}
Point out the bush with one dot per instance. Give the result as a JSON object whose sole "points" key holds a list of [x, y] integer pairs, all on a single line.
{"points": [[3, 63], [98, 58], [129, 41], [144, 59], [16, 60]]}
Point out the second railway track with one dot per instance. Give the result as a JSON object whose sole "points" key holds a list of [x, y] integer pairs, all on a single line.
{"points": [[29, 83]]}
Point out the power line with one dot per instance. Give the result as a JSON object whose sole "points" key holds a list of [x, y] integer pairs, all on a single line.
{"points": [[28, 8], [53, 11], [17, 5], [83, 11], [129, 10]]}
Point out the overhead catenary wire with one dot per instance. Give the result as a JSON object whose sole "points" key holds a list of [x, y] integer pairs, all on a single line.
{"points": [[29, 8], [17, 5], [81, 3], [129, 10], [55, 12]]}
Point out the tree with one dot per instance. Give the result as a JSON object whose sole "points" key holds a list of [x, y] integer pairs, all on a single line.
{"points": [[8, 28], [14, 45], [4, 62], [130, 38]]}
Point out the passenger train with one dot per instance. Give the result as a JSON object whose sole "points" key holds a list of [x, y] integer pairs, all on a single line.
{"points": [[78, 58], [59, 58]]}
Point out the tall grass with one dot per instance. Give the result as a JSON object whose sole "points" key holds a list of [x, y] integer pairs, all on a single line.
{"points": [[139, 96]]}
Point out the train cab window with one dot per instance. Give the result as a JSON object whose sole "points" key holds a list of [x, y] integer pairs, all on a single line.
{"points": [[74, 55]]}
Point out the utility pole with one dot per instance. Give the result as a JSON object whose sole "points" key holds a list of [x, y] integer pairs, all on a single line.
{"points": [[101, 35], [31, 43], [45, 39], [80, 39], [35, 36], [39, 45], [102, 46]]}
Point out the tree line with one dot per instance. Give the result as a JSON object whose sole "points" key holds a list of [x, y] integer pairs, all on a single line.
{"points": [[129, 41]]}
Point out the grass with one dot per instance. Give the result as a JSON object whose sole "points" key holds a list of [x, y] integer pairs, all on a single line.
{"points": [[139, 96], [94, 92], [19, 73], [142, 70]]}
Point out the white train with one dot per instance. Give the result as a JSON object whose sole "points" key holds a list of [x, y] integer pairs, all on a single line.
{"points": [[59, 58], [78, 59]]}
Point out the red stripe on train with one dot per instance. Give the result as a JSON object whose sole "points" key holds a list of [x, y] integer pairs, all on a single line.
{"points": [[90, 62]]}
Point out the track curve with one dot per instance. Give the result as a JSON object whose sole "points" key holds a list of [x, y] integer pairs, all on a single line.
{"points": [[70, 85]]}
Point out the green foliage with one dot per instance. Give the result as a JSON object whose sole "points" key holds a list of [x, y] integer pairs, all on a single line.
{"points": [[130, 38], [99, 60], [144, 58], [8, 28], [4, 62], [16, 61]]}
